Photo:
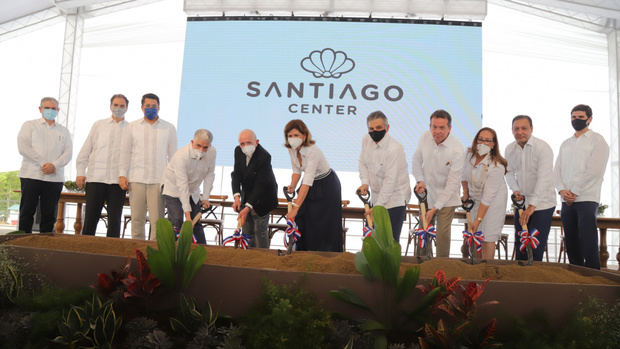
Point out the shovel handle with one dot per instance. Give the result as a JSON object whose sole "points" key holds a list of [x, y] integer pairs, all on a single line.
{"points": [[364, 197], [289, 196], [467, 205], [421, 197], [520, 204]]}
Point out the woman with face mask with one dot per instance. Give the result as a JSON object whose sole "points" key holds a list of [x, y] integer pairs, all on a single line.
{"points": [[483, 181], [317, 210]]}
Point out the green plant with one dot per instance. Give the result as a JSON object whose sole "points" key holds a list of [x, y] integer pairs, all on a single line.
{"points": [[143, 283], [72, 186], [380, 261], [175, 263], [143, 333], [191, 317], [95, 324], [284, 315]]}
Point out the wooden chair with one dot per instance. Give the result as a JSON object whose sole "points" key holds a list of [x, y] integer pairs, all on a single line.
{"points": [[502, 243], [414, 222], [274, 227], [211, 219], [344, 203], [104, 215], [562, 241]]}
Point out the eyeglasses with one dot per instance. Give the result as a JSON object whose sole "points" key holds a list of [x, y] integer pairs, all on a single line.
{"points": [[486, 140]]}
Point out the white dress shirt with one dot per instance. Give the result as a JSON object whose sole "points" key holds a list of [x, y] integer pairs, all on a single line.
{"points": [[40, 143], [186, 171], [580, 166], [440, 167], [530, 171], [486, 185], [313, 163], [101, 152], [383, 167], [146, 150]]}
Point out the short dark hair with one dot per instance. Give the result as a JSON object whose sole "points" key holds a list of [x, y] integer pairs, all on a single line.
{"points": [[150, 96], [519, 117], [584, 108], [300, 126], [118, 95], [441, 114]]}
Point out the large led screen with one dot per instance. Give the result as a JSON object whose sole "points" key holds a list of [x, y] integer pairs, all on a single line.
{"points": [[259, 74]]}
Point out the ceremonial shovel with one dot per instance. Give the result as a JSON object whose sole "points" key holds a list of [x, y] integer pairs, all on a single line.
{"points": [[467, 205], [429, 246], [520, 205], [365, 198], [291, 239]]}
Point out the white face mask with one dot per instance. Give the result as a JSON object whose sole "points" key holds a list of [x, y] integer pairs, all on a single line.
{"points": [[119, 112], [196, 154], [248, 150], [483, 149], [295, 142]]}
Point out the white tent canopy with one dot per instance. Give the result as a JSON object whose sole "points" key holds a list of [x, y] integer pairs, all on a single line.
{"points": [[596, 32]]}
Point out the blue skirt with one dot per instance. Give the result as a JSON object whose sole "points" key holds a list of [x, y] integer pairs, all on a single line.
{"points": [[320, 216]]}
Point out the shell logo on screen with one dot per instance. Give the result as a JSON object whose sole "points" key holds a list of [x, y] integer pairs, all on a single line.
{"points": [[327, 63]]}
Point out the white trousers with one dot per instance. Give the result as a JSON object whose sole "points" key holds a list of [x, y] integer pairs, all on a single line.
{"points": [[141, 197]]}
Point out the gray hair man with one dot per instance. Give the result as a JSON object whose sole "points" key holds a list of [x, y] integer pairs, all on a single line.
{"points": [[383, 169], [191, 165]]}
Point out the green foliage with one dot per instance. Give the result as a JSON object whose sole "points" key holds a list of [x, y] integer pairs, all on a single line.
{"points": [[191, 317], [9, 182], [11, 279], [594, 324], [223, 337], [175, 264], [95, 324], [72, 186], [143, 333], [286, 317], [380, 261]]}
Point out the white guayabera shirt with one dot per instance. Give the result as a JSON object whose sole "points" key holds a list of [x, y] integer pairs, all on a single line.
{"points": [[101, 152], [39, 143]]}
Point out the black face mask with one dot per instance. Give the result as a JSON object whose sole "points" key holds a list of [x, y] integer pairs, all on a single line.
{"points": [[579, 124], [377, 135]]}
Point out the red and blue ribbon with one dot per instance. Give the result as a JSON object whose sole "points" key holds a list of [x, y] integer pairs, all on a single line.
{"points": [[292, 231], [476, 238], [367, 230], [241, 239], [528, 239], [425, 235], [177, 233]]}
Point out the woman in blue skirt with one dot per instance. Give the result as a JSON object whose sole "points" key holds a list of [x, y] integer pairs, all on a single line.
{"points": [[317, 210]]}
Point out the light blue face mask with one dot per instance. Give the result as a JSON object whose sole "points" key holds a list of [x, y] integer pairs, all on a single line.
{"points": [[50, 114], [150, 113]]}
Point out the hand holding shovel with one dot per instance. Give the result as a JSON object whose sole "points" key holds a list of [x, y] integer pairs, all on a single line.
{"points": [[528, 241], [468, 205], [365, 198], [292, 231]]}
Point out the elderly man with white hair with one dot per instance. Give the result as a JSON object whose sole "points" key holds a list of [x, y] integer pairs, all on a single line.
{"points": [[191, 165]]}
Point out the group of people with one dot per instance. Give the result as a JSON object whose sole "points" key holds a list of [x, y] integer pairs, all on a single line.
{"points": [[141, 158]]}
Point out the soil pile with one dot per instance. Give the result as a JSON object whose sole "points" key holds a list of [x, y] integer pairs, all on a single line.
{"points": [[341, 263]]}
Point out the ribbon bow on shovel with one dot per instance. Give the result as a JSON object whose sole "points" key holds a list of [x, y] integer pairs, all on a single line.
{"points": [[240, 240], [292, 233], [425, 235], [368, 228], [476, 239], [473, 240], [526, 239], [421, 234]]}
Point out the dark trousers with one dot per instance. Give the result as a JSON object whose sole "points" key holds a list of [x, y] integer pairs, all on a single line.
{"points": [[581, 233], [96, 195], [397, 216], [176, 216], [33, 192], [541, 220]]}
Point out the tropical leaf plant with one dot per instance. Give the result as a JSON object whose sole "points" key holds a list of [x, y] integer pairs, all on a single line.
{"points": [[379, 261], [175, 263], [143, 283]]}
